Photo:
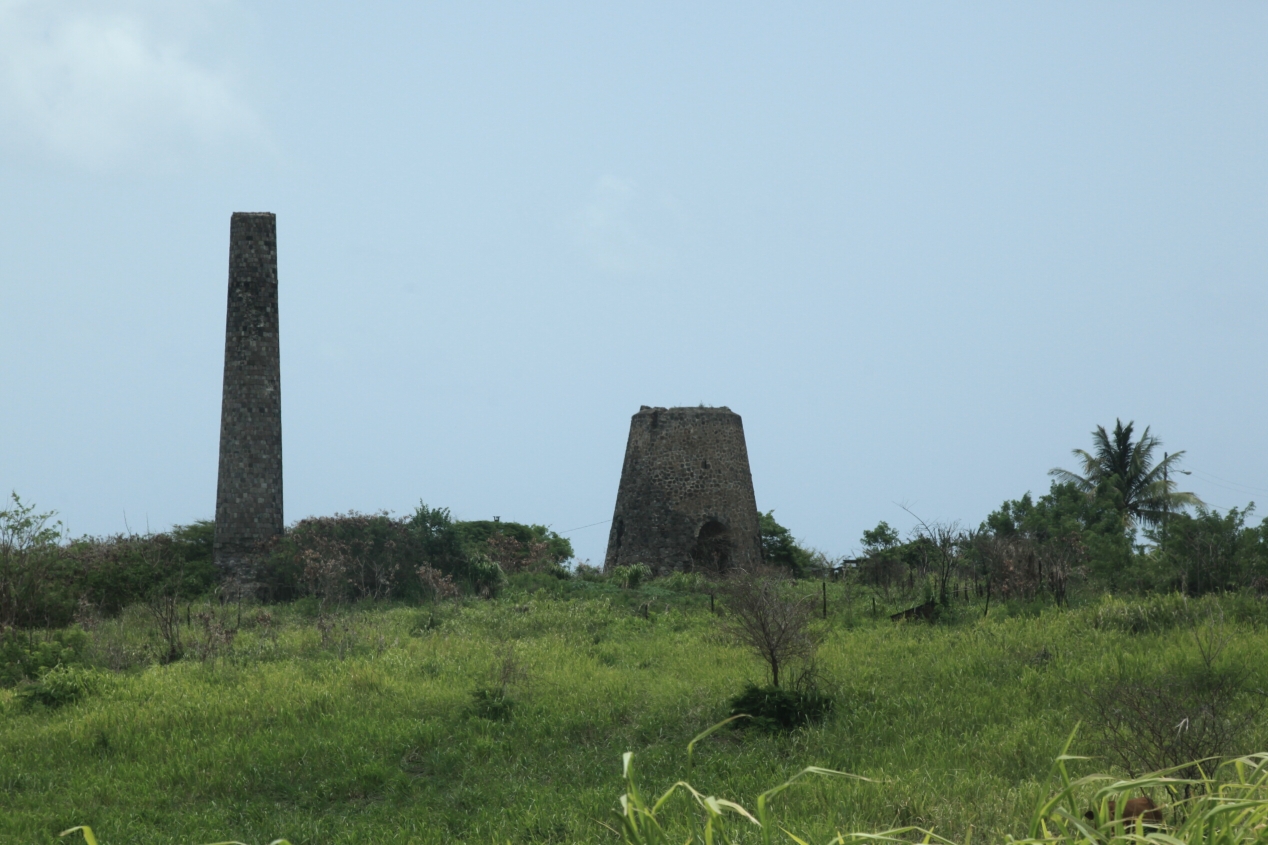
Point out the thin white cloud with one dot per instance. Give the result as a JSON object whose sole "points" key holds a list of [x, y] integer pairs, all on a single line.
{"points": [[97, 85], [604, 229]]}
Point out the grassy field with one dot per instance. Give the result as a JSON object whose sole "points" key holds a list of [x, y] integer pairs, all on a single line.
{"points": [[368, 728]]}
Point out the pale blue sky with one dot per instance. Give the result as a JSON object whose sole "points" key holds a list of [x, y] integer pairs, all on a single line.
{"points": [[922, 249]]}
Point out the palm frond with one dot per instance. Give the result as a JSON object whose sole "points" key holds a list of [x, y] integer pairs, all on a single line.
{"points": [[1064, 476]]}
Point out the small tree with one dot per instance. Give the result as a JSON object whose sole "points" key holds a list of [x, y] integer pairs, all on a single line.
{"points": [[780, 548], [772, 624], [163, 599], [882, 564], [939, 545], [28, 544], [1206, 552], [1060, 558]]}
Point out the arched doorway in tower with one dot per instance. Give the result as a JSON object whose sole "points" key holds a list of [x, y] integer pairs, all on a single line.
{"points": [[712, 551]]}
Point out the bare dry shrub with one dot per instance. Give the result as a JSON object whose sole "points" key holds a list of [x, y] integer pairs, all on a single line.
{"points": [[1060, 559], [326, 572], [164, 609], [1010, 565], [436, 584], [937, 547], [217, 635], [164, 598], [1021, 567], [771, 622]]}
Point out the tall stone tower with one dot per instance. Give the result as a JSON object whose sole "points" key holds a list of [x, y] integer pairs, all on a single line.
{"points": [[686, 496], [249, 489]]}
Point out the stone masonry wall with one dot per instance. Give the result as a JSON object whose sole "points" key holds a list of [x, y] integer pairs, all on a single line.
{"points": [[686, 495], [249, 488]]}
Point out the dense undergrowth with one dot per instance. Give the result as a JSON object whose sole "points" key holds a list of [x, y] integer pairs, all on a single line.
{"points": [[506, 719]]}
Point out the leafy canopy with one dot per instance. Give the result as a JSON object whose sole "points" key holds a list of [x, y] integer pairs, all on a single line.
{"points": [[780, 548]]}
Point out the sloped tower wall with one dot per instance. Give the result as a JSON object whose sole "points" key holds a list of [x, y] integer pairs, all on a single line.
{"points": [[249, 488], [686, 496]]}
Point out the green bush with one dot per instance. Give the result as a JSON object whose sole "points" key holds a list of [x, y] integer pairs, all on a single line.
{"points": [[111, 573], [487, 578], [1208, 552], [28, 566], [496, 705], [524, 542], [25, 654], [776, 709], [684, 582], [586, 572], [630, 577], [375, 556], [1144, 615], [781, 549], [59, 686]]}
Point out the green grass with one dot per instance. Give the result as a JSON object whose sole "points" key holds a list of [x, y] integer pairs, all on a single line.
{"points": [[370, 734]]}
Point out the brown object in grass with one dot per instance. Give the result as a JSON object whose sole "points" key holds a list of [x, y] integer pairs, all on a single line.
{"points": [[1134, 808], [924, 611]]}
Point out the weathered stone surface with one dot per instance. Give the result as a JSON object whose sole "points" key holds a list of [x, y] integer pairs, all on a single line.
{"points": [[686, 496], [249, 488]]}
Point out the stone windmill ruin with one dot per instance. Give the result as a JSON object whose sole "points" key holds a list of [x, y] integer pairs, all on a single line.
{"points": [[686, 496]]}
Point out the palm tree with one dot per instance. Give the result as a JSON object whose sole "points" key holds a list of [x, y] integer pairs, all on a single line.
{"points": [[1145, 491]]}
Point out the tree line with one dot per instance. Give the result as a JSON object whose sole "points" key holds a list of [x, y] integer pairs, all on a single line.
{"points": [[46, 582], [1119, 524]]}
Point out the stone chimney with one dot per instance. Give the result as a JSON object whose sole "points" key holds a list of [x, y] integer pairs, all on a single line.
{"points": [[249, 488]]}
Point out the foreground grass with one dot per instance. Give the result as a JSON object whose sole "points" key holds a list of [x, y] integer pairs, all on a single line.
{"points": [[368, 732]]}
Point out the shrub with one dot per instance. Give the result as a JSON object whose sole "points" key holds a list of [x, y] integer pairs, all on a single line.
{"points": [[487, 578], [437, 540], [631, 576], [1145, 615], [353, 555], [24, 655], [1196, 709], [586, 572], [775, 626], [775, 709], [28, 553], [684, 582], [111, 573], [781, 549], [496, 705], [375, 556], [437, 586], [363, 556], [516, 555], [513, 545], [1208, 552], [59, 686]]}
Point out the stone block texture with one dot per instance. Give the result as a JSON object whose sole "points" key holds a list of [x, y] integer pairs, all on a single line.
{"points": [[686, 496], [249, 488]]}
